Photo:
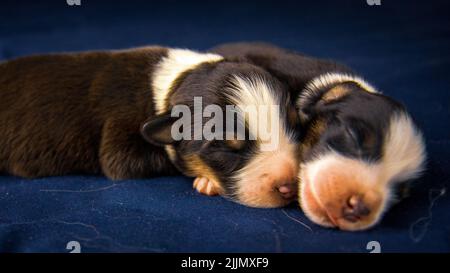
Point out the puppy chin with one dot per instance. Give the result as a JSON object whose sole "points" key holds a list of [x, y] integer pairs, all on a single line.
{"points": [[263, 199], [342, 193]]}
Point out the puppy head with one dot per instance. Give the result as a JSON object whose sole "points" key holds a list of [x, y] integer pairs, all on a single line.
{"points": [[358, 147], [240, 162]]}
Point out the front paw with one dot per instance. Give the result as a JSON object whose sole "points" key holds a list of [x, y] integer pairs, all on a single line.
{"points": [[205, 186]]}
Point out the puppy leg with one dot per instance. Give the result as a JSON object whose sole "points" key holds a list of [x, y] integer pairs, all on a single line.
{"points": [[206, 186], [124, 154]]}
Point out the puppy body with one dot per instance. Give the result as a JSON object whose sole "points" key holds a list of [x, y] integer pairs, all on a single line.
{"points": [[357, 145], [240, 170], [111, 112], [79, 113]]}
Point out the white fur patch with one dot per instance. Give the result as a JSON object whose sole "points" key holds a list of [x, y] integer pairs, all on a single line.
{"points": [[404, 150], [171, 67], [256, 181], [255, 92], [329, 79]]}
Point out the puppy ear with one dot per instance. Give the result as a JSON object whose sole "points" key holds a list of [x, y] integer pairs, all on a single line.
{"points": [[335, 93], [305, 115], [314, 102], [157, 130]]}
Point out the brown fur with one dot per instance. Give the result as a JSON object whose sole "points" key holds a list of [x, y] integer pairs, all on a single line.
{"points": [[79, 113]]}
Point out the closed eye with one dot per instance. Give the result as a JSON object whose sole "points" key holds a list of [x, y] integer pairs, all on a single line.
{"points": [[363, 140], [353, 136], [221, 148]]}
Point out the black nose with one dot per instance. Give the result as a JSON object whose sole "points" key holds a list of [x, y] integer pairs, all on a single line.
{"points": [[355, 209], [288, 190]]}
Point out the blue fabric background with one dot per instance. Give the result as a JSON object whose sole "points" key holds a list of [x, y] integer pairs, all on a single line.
{"points": [[402, 47]]}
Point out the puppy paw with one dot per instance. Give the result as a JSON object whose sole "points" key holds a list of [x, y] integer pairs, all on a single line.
{"points": [[205, 186]]}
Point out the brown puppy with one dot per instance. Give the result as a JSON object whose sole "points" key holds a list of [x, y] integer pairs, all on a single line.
{"points": [[79, 113], [357, 145], [112, 112]]}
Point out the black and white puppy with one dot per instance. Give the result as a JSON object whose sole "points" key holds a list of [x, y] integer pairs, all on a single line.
{"points": [[110, 112], [237, 168], [357, 145]]}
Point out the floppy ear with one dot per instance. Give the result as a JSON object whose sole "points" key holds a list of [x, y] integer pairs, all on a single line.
{"points": [[157, 130], [316, 102]]}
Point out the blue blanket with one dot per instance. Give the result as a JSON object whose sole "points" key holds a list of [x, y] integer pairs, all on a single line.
{"points": [[402, 47]]}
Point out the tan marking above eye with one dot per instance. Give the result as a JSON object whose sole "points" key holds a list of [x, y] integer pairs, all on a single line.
{"points": [[335, 93], [316, 129], [369, 140], [293, 117], [235, 144]]}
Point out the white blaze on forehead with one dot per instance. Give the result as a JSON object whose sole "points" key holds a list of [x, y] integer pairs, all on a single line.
{"points": [[253, 91], [269, 165], [171, 67], [259, 105], [328, 79], [403, 151]]}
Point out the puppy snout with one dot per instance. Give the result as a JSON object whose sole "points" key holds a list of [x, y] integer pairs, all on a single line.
{"points": [[285, 180], [355, 209], [282, 180]]}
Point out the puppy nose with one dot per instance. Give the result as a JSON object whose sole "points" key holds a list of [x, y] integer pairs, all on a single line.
{"points": [[355, 209], [288, 190], [282, 176]]}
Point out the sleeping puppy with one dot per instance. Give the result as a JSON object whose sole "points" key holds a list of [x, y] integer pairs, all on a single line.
{"points": [[358, 147], [113, 112]]}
